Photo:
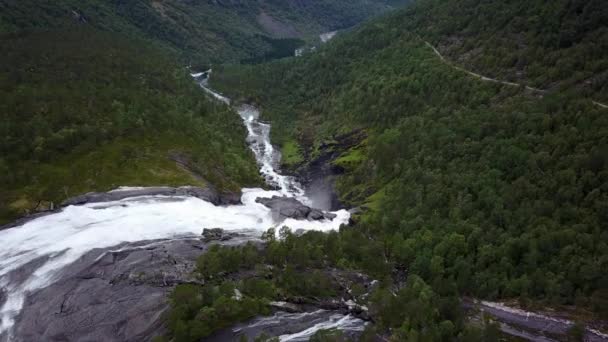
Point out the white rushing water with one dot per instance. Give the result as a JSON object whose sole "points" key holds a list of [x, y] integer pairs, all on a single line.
{"points": [[337, 321], [51, 242], [308, 323], [327, 36]]}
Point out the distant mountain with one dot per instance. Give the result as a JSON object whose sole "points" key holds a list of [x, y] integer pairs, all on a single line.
{"points": [[201, 31]]}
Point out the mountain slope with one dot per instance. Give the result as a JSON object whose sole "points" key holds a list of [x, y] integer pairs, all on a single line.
{"points": [[82, 111], [477, 187], [201, 31], [549, 46], [93, 95]]}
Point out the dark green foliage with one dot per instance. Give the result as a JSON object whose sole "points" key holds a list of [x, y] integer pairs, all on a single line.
{"points": [[477, 188], [280, 48], [197, 311], [328, 336], [411, 309], [576, 332], [226, 260], [201, 31], [293, 263], [556, 45], [86, 110]]}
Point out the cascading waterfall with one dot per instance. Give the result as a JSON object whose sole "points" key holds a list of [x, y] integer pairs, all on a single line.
{"points": [[33, 254]]}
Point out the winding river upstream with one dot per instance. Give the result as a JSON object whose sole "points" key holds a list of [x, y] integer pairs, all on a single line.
{"points": [[34, 254]]}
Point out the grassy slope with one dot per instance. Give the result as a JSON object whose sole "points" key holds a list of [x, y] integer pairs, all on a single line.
{"points": [[477, 187], [89, 111]]}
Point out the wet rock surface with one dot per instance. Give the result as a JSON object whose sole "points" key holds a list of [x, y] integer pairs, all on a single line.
{"points": [[289, 207], [117, 294], [121, 294], [318, 174]]}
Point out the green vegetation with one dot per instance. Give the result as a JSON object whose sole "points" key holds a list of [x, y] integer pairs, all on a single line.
{"points": [[475, 188], [554, 46], [240, 281], [301, 267], [82, 112], [351, 158], [92, 96], [200, 31], [198, 311], [291, 154]]}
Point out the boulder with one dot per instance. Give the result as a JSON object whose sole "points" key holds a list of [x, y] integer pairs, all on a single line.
{"points": [[288, 207], [217, 234]]}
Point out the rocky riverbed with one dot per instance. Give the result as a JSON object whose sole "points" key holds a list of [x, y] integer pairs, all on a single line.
{"points": [[114, 294], [121, 294]]}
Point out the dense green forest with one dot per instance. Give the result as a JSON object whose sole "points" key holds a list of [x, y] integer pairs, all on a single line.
{"points": [[474, 187], [549, 45], [95, 94], [86, 111], [467, 188], [200, 31], [304, 267]]}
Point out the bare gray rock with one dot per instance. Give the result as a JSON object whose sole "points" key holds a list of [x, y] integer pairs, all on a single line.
{"points": [[119, 294], [217, 234], [289, 207]]}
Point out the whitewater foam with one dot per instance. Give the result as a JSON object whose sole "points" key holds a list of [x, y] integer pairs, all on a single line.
{"points": [[59, 239]]}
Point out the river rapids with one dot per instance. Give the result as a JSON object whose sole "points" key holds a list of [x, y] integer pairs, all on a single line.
{"points": [[33, 254]]}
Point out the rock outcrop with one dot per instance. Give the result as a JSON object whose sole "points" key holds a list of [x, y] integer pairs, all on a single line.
{"points": [[118, 294], [319, 172], [289, 207], [208, 194], [217, 234]]}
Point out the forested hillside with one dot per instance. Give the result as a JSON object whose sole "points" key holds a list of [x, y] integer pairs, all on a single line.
{"points": [[548, 45], [201, 31], [85, 111], [96, 94], [478, 188]]}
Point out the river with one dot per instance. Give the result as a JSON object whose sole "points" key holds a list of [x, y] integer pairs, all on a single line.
{"points": [[34, 254]]}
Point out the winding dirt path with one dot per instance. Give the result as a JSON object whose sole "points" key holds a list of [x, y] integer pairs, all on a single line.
{"points": [[489, 79], [600, 104]]}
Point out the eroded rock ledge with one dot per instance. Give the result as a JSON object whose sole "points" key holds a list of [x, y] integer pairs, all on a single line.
{"points": [[288, 207], [208, 194]]}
